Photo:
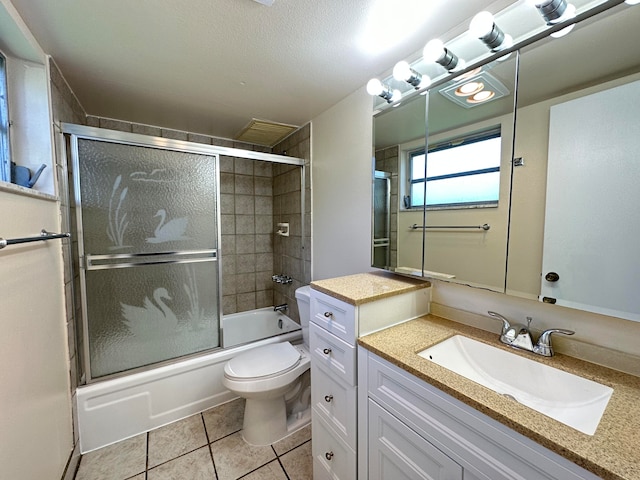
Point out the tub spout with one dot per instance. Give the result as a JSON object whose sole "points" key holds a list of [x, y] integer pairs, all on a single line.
{"points": [[281, 308]]}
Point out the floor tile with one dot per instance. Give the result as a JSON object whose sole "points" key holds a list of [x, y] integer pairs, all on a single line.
{"points": [[192, 466], [271, 471], [115, 462], [292, 441], [233, 457], [298, 463], [175, 439], [224, 419]]}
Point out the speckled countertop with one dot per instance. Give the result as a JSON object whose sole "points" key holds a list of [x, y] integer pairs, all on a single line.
{"points": [[613, 452], [368, 287]]}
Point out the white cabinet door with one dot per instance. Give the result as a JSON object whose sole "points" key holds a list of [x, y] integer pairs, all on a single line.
{"points": [[591, 220], [397, 452]]}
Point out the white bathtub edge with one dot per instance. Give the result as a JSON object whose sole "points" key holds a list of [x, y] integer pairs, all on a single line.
{"points": [[124, 407]]}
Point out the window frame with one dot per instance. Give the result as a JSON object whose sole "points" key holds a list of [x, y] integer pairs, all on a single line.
{"points": [[5, 147], [468, 139]]}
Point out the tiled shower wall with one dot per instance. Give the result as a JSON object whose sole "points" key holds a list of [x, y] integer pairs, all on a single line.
{"points": [[386, 160], [293, 253], [246, 207]]}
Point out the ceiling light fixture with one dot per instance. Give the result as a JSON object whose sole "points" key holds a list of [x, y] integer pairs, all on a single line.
{"points": [[556, 11], [435, 51], [376, 87], [483, 96], [484, 27], [403, 72], [470, 88]]}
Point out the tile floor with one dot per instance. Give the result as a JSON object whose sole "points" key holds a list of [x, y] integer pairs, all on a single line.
{"points": [[206, 446]]}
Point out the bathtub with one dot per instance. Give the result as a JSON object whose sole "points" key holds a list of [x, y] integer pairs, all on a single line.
{"points": [[116, 409]]}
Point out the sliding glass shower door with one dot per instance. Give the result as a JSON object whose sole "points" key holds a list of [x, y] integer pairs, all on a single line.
{"points": [[148, 233]]}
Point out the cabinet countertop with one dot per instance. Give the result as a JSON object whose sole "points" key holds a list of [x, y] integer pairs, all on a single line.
{"points": [[368, 287], [613, 452]]}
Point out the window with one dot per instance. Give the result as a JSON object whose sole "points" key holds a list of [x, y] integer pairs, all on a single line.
{"points": [[461, 172], [5, 166]]}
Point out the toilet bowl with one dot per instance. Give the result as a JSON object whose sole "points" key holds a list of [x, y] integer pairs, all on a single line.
{"points": [[267, 377]]}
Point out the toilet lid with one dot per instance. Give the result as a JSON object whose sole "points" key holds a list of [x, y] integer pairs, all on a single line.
{"points": [[263, 361]]}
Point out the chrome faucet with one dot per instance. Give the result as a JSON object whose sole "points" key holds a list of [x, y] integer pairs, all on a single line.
{"points": [[281, 308], [519, 336]]}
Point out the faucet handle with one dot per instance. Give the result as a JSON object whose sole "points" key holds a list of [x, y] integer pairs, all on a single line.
{"points": [[505, 323], [543, 347]]}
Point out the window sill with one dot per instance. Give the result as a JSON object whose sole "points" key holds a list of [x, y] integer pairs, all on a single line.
{"points": [[28, 192]]}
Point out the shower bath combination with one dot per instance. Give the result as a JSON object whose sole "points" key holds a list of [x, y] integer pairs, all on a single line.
{"points": [[148, 214]]}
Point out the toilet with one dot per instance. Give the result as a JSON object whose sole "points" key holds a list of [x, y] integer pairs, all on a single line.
{"points": [[271, 379]]}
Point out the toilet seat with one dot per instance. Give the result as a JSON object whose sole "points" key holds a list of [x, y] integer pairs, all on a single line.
{"points": [[263, 362]]}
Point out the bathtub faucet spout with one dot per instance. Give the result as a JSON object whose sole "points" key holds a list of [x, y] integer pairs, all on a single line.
{"points": [[281, 308]]}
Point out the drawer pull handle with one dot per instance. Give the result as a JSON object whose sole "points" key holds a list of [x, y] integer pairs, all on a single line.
{"points": [[328, 314], [328, 455], [328, 398], [326, 351]]}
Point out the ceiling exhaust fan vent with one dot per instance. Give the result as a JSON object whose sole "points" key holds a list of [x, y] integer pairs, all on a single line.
{"points": [[263, 132]]}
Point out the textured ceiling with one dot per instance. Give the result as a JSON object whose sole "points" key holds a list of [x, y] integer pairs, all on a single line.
{"points": [[210, 66]]}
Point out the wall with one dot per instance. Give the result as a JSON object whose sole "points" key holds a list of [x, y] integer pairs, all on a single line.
{"points": [[35, 405], [341, 197]]}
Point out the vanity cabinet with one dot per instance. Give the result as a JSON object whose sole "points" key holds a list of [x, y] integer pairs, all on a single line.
{"points": [[336, 323], [417, 431], [332, 341]]}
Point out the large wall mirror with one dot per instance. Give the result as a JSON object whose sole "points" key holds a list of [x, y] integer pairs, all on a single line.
{"points": [[575, 223], [566, 223]]}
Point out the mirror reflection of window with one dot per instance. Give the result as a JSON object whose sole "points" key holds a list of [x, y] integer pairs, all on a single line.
{"points": [[5, 166], [463, 172]]}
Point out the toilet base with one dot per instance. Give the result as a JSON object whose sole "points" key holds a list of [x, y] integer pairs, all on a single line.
{"points": [[266, 422]]}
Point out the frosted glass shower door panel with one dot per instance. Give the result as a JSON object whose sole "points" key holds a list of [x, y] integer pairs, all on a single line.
{"points": [[140, 199], [150, 313]]}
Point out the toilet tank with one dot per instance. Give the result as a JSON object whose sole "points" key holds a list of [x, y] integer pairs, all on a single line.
{"points": [[303, 298]]}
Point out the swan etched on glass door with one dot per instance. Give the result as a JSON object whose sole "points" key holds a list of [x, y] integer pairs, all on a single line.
{"points": [[171, 231], [151, 320]]}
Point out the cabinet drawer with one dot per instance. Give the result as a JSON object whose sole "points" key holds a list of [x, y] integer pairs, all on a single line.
{"points": [[335, 355], [335, 401], [397, 452], [332, 457], [334, 316]]}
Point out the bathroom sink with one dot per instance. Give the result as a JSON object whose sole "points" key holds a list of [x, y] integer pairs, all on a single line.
{"points": [[570, 399]]}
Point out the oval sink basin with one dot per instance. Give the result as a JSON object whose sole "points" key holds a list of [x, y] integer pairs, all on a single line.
{"points": [[570, 399]]}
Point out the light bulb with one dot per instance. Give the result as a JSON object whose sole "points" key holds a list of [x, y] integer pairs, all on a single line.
{"points": [[632, 2], [568, 13], [481, 24], [402, 71], [433, 50], [374, 87], [397, 96]]}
